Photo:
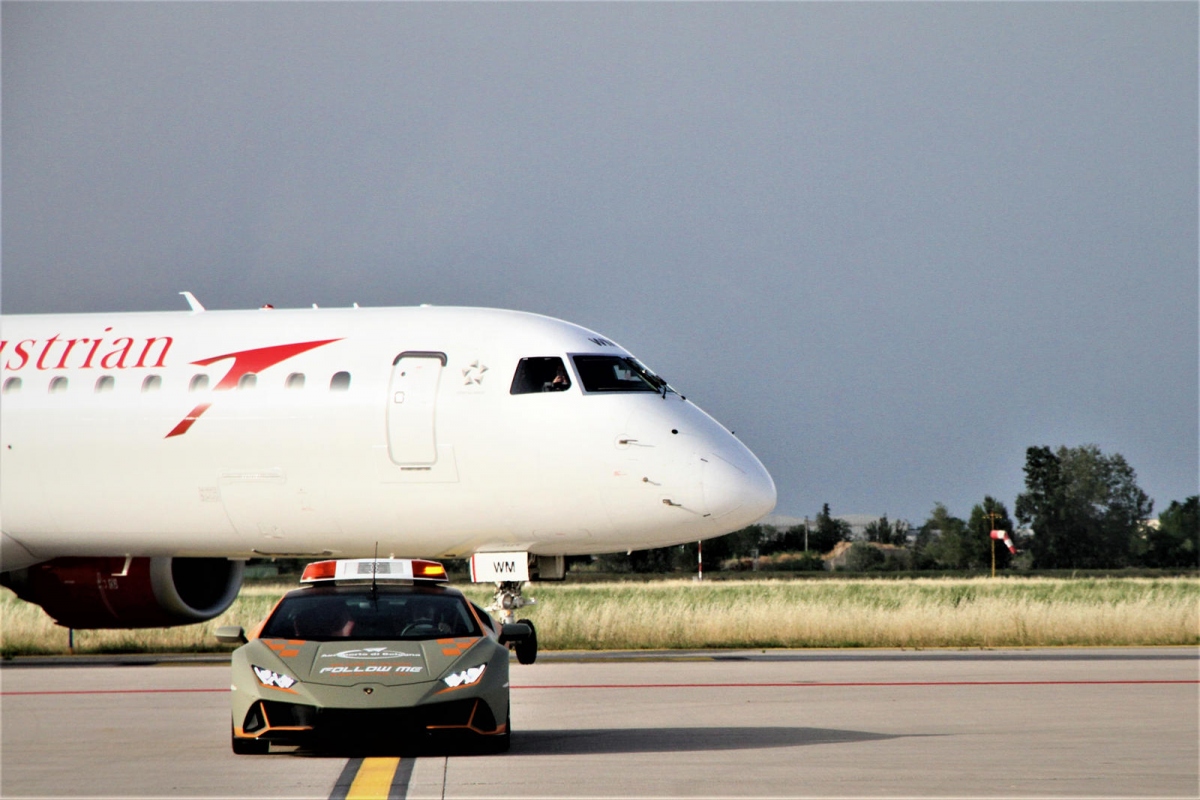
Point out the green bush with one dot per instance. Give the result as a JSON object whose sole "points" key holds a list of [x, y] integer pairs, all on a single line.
{"points": [[862, 557]]}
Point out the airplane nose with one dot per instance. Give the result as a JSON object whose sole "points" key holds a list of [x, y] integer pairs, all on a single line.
{"points": [[743, 486]]}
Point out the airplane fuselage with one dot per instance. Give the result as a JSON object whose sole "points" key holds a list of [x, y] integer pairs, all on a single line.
{"points": [[420, 431]]}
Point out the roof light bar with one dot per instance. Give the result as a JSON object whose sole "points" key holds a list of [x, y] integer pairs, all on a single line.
{"points": [[319, 571], [383, 570], [429, 570]]}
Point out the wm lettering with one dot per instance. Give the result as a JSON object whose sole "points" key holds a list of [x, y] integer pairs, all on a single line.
{"points": [[504, 566]]}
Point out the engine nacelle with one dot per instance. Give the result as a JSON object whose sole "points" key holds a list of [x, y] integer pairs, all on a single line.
{"points": [[120, 592]]}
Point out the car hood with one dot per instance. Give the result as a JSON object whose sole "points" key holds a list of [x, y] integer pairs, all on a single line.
{"points": [[393, 663]]}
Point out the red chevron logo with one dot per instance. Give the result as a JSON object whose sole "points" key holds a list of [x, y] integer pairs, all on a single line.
{"points": [[245, 362]]}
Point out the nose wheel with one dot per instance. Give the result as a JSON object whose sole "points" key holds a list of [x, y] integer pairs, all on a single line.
{"points": [[527, 649], [505, 603]]}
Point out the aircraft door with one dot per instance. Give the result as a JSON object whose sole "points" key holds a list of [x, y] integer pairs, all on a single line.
{"points": [[412, 402]]}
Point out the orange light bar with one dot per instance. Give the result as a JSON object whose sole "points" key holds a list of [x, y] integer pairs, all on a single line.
{"points": [[319, 571], [429, 570]]}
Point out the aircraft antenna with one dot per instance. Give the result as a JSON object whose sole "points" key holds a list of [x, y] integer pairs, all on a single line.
{"points": [[374, 570], [193, 302]]}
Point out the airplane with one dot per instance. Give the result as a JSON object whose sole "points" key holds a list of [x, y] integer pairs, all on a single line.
{"points": [[144, 457]]}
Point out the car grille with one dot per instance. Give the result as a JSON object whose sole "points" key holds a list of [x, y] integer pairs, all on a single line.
{"points": [[473, 714]]}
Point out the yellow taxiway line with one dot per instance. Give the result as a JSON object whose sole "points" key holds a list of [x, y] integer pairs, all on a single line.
{"points": [[374, 779]]}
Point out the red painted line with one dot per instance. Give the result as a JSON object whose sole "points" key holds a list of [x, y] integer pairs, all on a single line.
{"points": [[840, 684], [797, 685], [112, 691]]}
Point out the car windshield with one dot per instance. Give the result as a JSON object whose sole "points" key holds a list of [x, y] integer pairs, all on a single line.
{"points": [[617, 374], [324, 615]]}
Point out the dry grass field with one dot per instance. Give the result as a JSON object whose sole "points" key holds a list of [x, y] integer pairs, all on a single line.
{"points": [[920, 613]]}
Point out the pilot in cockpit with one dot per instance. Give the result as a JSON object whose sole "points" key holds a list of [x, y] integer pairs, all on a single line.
{"points": [[560, 383], [542, 374]]}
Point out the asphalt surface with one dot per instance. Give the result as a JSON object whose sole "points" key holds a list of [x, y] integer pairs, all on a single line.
{"points": [[1006, 723]]}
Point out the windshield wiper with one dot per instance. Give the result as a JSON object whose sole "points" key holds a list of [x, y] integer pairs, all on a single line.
{"points": [[656, 382]]}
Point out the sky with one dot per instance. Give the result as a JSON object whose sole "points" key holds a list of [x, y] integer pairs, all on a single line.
{"points": [[891, 245]]}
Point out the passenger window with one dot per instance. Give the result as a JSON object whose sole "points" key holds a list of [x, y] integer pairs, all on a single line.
{"points": [[295, 381], [58, 385], [248, 381], [105, 383], [199, 383], [12, 385], [340, 382], [545, 374], [152, 383]]}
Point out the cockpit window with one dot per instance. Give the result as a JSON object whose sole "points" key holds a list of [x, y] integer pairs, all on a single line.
{"points": [[546, 374], [617, 374]]}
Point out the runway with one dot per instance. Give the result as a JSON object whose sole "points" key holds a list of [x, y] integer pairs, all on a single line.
{"points": [[1041, 723]]}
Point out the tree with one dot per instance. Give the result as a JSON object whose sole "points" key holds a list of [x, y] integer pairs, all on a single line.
{"points": [[739, 544], [656, 560], [776, 540], [862, 557], [793, 540], [988, 516], [1176, 540], [886, 532], [829, 531], [1085, 507], [941, 541]]}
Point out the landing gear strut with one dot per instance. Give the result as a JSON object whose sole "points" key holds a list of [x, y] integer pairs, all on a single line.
{"points": [[506, 601]]}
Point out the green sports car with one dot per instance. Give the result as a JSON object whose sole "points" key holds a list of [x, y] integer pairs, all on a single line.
{"points": [[374, 651]]}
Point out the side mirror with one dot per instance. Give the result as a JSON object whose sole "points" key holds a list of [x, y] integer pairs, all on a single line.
{"points": [[515, 632], [230, 634]]}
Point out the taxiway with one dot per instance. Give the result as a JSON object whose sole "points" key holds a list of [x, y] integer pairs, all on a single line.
{"points": [[1042, 723]]}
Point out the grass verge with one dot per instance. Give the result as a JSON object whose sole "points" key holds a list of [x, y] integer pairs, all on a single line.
{"points": [[683, 614]]}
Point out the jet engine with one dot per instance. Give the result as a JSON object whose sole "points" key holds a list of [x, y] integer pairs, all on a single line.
{"points": [[124, 592]]}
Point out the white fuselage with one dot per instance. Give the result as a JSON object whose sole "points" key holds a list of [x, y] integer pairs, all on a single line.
{"points": [[304, 432]]}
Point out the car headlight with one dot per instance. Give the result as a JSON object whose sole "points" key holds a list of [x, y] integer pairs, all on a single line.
{"points": [[269, 677], [464, 678]]}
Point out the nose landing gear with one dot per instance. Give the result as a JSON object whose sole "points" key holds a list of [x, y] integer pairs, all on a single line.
{"points": [[506, 601]]}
